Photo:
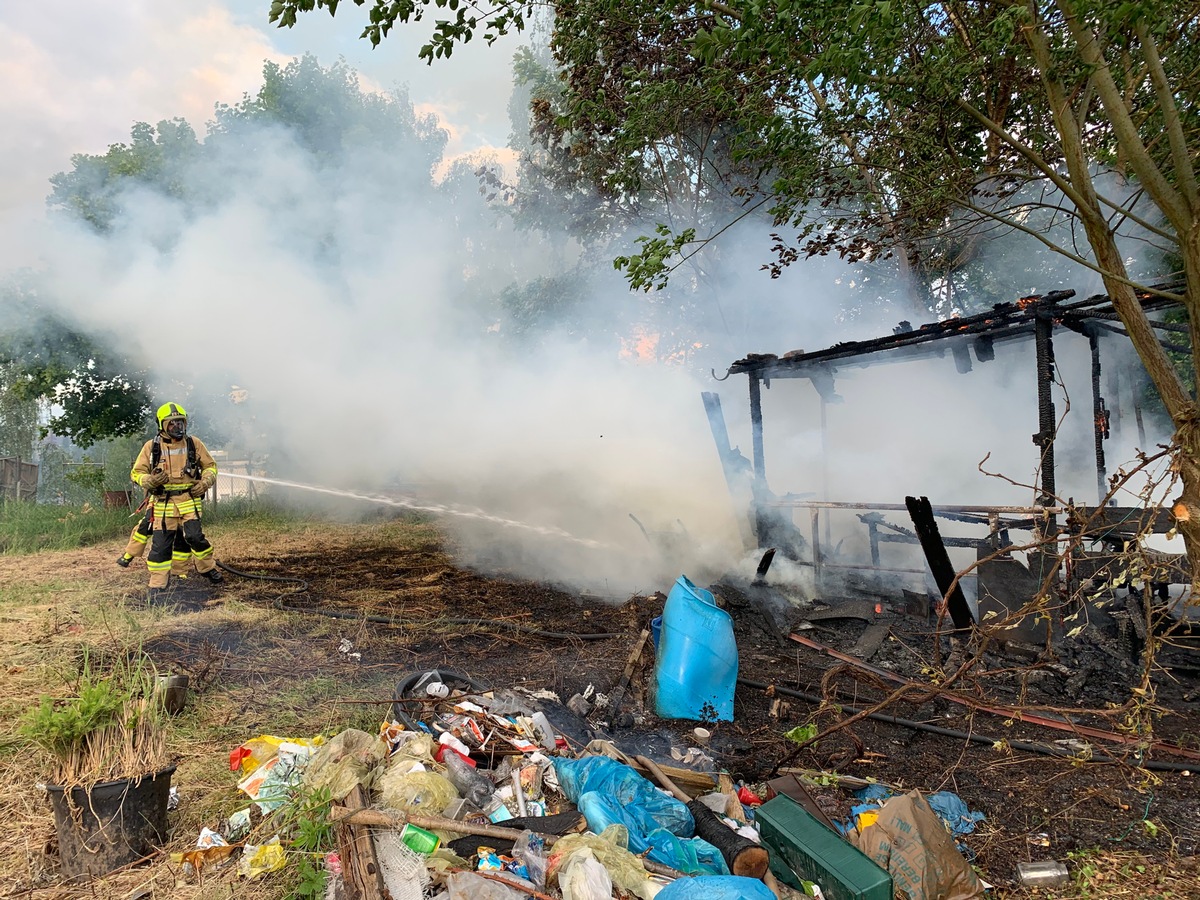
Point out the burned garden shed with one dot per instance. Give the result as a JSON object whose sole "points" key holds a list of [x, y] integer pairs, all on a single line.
{"points": [[797, 525]]}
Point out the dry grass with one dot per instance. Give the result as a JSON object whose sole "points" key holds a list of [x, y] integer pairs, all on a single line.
{"points": [[254, 669]]}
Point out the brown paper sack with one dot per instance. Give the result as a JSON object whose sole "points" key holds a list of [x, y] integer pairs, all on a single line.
{"points": [[910, 841]]}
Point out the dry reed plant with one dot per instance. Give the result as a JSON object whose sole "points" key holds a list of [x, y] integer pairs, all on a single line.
{"points": [[112, 728]]}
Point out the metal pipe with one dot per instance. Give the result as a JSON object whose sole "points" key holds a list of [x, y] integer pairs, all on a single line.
{"points": [[900, 507], [973, 737]]}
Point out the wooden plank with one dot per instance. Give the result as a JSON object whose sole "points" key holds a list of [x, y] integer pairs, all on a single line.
{"points": [[360, 866]]}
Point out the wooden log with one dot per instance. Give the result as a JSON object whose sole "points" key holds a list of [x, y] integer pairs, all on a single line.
{"points": [[618, 694], [743, 856], [360, 866]]}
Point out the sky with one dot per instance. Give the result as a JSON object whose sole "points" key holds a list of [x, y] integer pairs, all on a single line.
{"points": [[359, 361], [79, 73]]}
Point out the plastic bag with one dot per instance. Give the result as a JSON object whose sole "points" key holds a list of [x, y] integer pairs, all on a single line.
{"points": [[423, 793], [692, 856], [469, 886], [582, 877], [530, 848], [258, 861], [609, 847], [256, 751], [910, 841], [716, 887], [349, 759], [624, 787]]}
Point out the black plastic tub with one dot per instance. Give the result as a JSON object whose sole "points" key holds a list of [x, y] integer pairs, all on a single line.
{"points": [[111, 824]]}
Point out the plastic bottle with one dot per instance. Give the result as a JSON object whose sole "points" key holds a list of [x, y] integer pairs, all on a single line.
{"points": [[545, 730], [471, 783], [495, 809]]}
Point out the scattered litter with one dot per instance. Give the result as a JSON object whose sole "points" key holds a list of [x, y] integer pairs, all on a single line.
{"points": [[693, 756], [472, 793], [260, 860]]}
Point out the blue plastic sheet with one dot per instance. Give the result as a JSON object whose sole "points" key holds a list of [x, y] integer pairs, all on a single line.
{"points": [[715, 887], [650, 807], [692, 856], [949, 807], [608, 792]]}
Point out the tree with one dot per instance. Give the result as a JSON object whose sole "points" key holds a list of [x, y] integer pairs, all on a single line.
{"points": [[157, 157], [94, 392], [884, 125]]}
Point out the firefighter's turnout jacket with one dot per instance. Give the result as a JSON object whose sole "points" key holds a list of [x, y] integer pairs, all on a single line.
{"points": [[175, 509]]}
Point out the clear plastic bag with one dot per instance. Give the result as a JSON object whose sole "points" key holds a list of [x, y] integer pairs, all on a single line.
{"points": [[582, 877], [625, 869], [530, 849]]}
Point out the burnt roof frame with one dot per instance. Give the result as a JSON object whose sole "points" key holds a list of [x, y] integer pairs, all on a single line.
{"points": [[1034, 316]]}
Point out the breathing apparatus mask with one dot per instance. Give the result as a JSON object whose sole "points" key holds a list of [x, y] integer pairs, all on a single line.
{"points": [[176, 428]]}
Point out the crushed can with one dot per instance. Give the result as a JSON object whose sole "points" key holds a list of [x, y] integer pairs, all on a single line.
{"points": [[419, 840]]}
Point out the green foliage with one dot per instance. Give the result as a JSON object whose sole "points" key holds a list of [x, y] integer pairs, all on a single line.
{"points": [[306, 818], [802, 733], [314, 832], [59, 727], [18, 414], [88, 477], [649, 268], [111, 727], [34, 527], [384, 14], [310, 880], [96, 392], [156, 157]]}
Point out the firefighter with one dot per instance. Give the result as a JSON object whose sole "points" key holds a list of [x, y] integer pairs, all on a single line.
{"points": [[176, 469], [139, 540]]}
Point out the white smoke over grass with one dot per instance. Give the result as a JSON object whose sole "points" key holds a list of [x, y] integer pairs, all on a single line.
{"points": [[356, 302], [334, 306]]}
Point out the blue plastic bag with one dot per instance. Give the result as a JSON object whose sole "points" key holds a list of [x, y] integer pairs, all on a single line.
{"points": [[715, 887], [646, 806], [693, 856]]}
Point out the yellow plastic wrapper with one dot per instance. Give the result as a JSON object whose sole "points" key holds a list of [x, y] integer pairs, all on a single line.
{"points": [[260, 860], [266, 746]]}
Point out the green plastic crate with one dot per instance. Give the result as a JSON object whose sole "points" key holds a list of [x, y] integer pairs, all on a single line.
{"points": [[802, 848]]}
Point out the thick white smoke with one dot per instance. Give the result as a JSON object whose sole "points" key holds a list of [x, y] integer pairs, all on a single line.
{"points": [[347, 300]]}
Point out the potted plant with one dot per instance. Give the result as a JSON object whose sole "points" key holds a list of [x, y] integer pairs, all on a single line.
{"points": [[108, 773]]}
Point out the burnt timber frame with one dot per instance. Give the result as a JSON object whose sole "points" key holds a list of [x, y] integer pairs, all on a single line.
{"points": [[1035, 317]]}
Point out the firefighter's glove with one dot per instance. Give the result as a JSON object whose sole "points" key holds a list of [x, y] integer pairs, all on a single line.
{"points": [[201, 487], [154, 480]]}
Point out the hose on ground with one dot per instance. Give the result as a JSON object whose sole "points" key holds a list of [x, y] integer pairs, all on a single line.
{"points": [[390, 620], [1027, 746]]}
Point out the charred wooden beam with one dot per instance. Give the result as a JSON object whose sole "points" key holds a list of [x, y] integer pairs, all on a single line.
{"points": [[939, 561]]}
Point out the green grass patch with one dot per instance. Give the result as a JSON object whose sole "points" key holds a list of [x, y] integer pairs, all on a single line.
{"points": [[34, 527], [31, 527]]}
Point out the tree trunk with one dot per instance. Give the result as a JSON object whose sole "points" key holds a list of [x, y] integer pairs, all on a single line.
{"points": [[1185, 415]]}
